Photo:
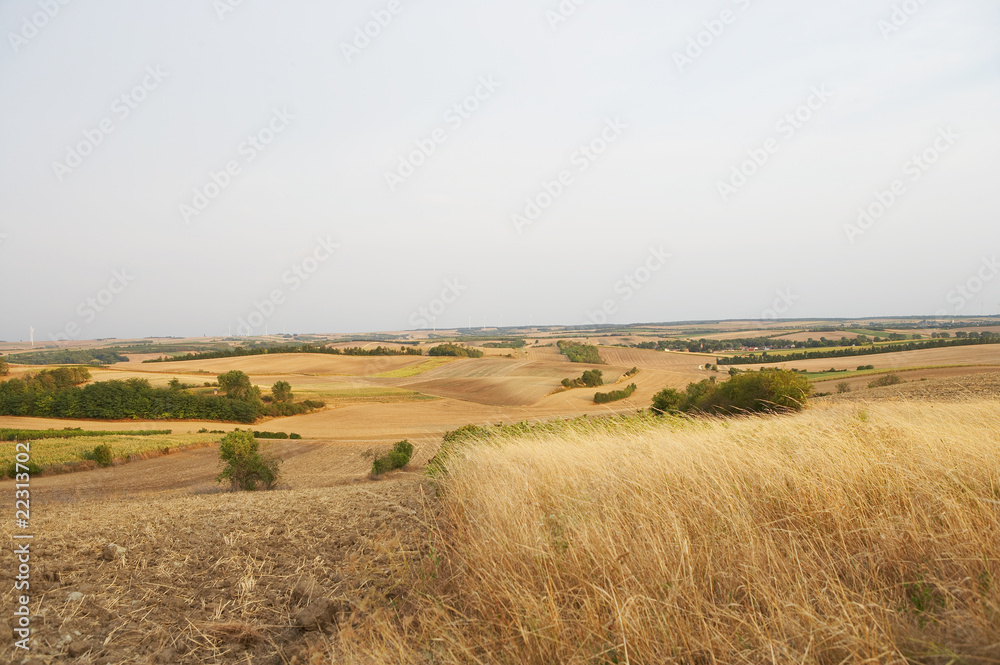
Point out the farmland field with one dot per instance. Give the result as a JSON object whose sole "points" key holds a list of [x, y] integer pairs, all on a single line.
{"points": [[355, 541]]}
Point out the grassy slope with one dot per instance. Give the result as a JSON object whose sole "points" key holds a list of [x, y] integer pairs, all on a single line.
{"points": [[844, 534]]}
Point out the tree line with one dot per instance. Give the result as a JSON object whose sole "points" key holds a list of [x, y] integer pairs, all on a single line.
{"points": [[753, 358], [69, 357], [59, 394], [241, 351]]}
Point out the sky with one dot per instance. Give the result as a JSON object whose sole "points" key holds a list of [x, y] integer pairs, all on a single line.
{"points": [[238, 166]]}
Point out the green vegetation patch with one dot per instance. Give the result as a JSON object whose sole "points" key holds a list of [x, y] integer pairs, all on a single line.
{"points": [[397, 458], [32, 434], [449, 349], [614, 395], [69, 357], [766, 391], [580, 353]]}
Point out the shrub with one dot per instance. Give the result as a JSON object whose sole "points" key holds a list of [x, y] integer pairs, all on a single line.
{"points": [[747, 392], [4, 367], [246, 468], [33, 469], [668, 400], [614, 395], [843, 387], [397, 458], [102, 455], [885, 380], [270, 435], [864, 367], [293, 435]]}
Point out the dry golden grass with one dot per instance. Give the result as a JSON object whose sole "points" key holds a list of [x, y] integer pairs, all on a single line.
{"points": [[845, 534]]}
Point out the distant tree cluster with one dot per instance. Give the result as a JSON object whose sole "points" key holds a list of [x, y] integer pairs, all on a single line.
{"points": [[241, 351], [746, 392], [506, 344], [590, 379], [69, 357], [57, 393], [449, 349], [580, 353], [753, 358], [614, 395]]}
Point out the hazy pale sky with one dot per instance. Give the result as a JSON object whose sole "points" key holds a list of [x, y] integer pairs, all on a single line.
{"points": [[171, 168]]}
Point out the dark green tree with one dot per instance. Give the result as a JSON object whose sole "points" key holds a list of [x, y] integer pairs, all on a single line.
{"points": [[237, 385], [282, 391]]}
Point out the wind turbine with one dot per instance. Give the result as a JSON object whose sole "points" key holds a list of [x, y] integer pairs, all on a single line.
{"points": [[31, 336]]}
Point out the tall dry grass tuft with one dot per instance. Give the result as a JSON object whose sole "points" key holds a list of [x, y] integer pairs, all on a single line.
{"points": [[846, 534]]}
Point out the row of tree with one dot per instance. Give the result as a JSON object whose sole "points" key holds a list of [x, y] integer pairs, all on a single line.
{"points": [[241, 351], [449, 349], [69, 357], [753, 358], [58, 394]]}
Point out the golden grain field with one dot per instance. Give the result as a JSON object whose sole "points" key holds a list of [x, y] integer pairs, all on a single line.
{"points": [[846, 534]]}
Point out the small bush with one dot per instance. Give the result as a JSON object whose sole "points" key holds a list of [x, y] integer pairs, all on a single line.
{"points": [[33, 469], [270, 435], [864, 367], [885, 380], [843, 387], [246, 468], [397, 458], [293, 435], [102, 455]]}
